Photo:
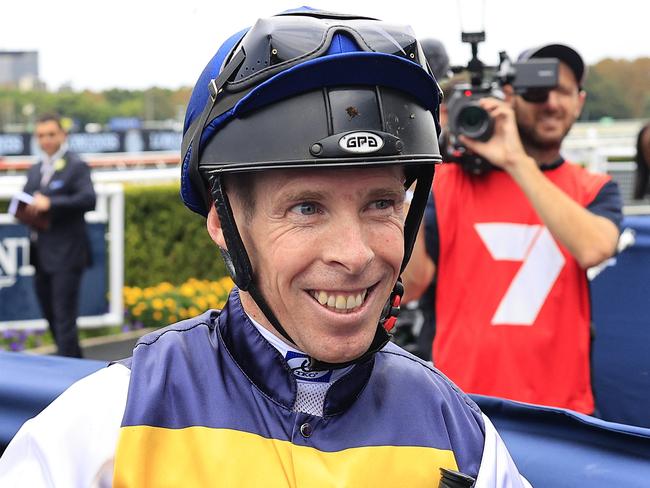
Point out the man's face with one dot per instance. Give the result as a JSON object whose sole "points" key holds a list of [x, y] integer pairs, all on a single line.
{"points": [[544, 125], [326, 247], [49, 136]]}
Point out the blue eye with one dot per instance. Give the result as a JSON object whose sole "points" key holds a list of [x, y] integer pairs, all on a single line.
{"points": [[383, 204], [305, 208]]}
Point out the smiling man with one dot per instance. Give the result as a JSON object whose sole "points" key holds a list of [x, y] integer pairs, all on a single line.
{"points": [[301, 137], [331, 244]]}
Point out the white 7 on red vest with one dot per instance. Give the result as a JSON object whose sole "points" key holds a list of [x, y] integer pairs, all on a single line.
{"points": [[542, 263]]}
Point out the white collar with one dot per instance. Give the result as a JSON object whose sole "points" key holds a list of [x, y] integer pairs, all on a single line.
{"points": [[295, 357], [49, 160]]}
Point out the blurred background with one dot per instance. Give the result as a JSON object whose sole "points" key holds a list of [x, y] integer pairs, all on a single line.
{"points": [[121, 74]]}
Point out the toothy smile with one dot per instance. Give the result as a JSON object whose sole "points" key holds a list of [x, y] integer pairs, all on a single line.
{"points": [[339, 301]]}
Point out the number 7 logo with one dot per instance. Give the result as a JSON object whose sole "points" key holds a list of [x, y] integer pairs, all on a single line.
{"points": [[542, 263]]}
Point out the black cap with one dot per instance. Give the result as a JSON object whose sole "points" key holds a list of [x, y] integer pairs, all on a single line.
{"points": [[437, 57], [567, 55]]}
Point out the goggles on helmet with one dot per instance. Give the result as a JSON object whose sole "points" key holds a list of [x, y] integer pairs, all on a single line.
{"points": [[277, 43], [275, 47]]}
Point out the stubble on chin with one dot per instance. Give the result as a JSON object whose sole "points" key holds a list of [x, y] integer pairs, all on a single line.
{"points": [[531, 139]]}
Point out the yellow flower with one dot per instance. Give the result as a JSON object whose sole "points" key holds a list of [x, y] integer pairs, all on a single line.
{"points": [[187, 290], [59, 164], [180, 301], [165, 286]]}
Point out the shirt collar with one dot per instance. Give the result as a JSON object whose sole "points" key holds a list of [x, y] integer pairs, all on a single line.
{"points": [[265, 361], [298, 360], [553, 165], [49, 160]]}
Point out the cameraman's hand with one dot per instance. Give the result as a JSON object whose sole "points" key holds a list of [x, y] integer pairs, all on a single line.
{"points": [[504, 149]]}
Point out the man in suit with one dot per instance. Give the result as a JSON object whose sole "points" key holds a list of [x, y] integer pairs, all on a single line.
{"points": [[63, 192]]}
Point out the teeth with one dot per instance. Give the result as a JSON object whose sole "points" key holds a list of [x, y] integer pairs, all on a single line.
{"points": [[340, 302]]}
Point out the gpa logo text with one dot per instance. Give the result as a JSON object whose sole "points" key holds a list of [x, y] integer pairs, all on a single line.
{"points": [[361, 142]]}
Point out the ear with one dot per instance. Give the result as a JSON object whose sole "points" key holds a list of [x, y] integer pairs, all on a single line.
{"points": [[444, 115], [582, 97], [214, 228]]}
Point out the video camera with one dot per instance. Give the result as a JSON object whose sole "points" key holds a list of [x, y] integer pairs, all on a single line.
{"points": [[532, 79]]}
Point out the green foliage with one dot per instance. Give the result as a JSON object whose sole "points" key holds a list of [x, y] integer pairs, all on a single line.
{"points": [[618, 88], [604, 99], [164, 241], [88, 106]]}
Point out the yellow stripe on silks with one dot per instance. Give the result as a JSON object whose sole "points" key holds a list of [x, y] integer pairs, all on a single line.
{"points": [[200, 456]]}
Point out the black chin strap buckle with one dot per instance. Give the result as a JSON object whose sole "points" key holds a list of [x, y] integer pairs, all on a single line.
{"points": [[392, 308]]}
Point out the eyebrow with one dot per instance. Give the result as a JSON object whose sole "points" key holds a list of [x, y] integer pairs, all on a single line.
{"points": [[303, 196], [376, 193], [392, 193]]}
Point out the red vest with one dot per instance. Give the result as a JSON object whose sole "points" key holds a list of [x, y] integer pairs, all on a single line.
{"points": [[512, 305]]}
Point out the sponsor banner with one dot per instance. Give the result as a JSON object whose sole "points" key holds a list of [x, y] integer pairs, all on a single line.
{"points": [[162, 140], [124, 123], [14, 144], [17, 296], [128, 140], [99, 142]]}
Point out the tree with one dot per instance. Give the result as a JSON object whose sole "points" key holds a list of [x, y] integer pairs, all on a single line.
{"points": [[604, 99], [618, 88]]}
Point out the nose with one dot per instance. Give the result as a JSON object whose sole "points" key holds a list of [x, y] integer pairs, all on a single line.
{"points": [[348, 246], [552, 102]]}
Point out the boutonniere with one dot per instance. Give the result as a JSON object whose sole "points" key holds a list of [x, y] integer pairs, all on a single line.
{"points": [[59, 164]]}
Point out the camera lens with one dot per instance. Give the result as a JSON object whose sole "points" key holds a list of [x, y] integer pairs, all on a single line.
{"points": [[475, 122]]}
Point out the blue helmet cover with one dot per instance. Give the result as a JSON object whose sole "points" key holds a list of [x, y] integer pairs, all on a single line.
{"points": [[343, 64]]}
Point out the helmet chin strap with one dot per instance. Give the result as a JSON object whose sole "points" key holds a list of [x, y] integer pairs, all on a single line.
{"points": [[382, 336], [241, 271], [382, 332]]}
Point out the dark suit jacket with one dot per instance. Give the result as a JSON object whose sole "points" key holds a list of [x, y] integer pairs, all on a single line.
{"points": [[64, 244]]}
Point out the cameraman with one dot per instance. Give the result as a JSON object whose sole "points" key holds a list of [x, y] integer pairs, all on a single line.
{"points": [[510, 249]]}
